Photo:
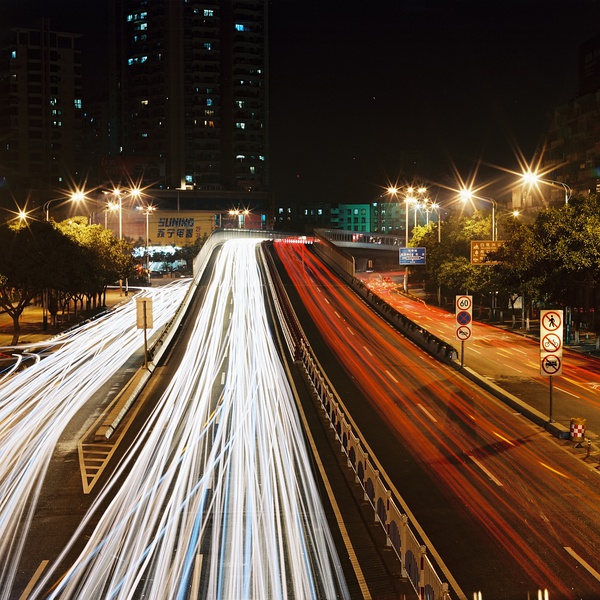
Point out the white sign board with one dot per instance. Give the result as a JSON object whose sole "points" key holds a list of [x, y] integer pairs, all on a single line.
{"points": [[464, 318], [144, 319], [551, 342]]}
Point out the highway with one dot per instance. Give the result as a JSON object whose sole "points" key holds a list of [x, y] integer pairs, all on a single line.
{"points": [[511, 360], [210, 494], [508, 508]]}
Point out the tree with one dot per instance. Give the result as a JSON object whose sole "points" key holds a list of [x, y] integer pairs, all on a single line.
{"points": [[448, 265], [102, 260], [33, 259]]}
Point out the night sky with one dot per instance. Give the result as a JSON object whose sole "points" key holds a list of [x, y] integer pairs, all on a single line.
{"points": [[355, 86]]}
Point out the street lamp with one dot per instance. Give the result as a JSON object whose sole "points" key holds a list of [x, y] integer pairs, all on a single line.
{"points": [[76, 196], [240, 214], [147, 211], [466, 195], [514, 214], [531, 179], [411, 197]]}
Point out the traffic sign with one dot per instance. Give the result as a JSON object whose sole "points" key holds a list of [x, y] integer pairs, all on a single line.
{"points": [[551, 342], [551, 364], [463, 333], [464, 317], [464, 303], [412, 256], [551, 331], [551, 320]]}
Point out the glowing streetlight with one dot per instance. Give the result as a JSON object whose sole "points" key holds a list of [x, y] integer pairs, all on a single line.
{"points": [[468, 195], [240, 214], [411, 197], [530, 178]]}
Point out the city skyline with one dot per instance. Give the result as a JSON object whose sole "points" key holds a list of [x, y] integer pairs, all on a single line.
{"points": [[355, 94]]}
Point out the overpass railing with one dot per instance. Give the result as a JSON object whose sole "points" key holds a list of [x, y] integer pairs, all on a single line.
{"points": [[343, 264], [402, 531]]}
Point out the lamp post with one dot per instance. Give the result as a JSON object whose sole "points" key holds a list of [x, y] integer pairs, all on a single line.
{"points": [[466, 195], [411, 197], [514, 214], [240, 214], [531, 178], [147, 211]]}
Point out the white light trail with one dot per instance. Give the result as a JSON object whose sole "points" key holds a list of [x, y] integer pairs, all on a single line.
{"points": [[37, 403], [221, 474]]}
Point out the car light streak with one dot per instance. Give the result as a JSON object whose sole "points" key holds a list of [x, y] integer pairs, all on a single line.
{"points": [[241, 496], [37, 403], [469, 425]]}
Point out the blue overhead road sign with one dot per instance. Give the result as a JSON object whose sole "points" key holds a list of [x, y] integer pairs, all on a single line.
{"points": [[412, 256]]}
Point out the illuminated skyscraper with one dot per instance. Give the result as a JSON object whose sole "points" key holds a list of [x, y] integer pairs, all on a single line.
{"points": [[188, 92]]}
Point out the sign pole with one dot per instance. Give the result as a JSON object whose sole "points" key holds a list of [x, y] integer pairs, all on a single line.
{"points": [[464, 318], [550, 408], [551, 353]]}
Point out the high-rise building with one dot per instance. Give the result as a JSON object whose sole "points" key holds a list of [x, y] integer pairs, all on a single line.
{"points": [[41, 110], [188, 92]]}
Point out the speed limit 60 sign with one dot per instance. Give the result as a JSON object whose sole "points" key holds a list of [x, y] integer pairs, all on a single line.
{"points": [[464, 317]]}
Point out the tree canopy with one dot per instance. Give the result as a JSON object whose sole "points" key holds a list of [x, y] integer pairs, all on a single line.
{"points": [[70, 259]]}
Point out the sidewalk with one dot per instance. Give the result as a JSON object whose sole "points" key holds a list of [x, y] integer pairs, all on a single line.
{"points": [[32, 326]]}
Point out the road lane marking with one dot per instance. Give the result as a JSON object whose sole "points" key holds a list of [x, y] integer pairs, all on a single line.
{"points": [[553, 470], [34, 580], [583, 563], [494, 479], [367, 351], [513, 368], [392, 377], [350, 330], [505, 440], [427, 413], [337, 314], [565, 391]]}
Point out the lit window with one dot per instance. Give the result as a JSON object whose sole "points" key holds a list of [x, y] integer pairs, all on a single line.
{"points": [[207, 46], [77, 102], [240, 157], [208, 12], [209, 102], [145, 102], [240, 103], [240, 125], [240, 27], [13, 54], [253, 170]]}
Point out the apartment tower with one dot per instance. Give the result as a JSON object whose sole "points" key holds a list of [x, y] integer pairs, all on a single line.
{"points": [[188, 92]]}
